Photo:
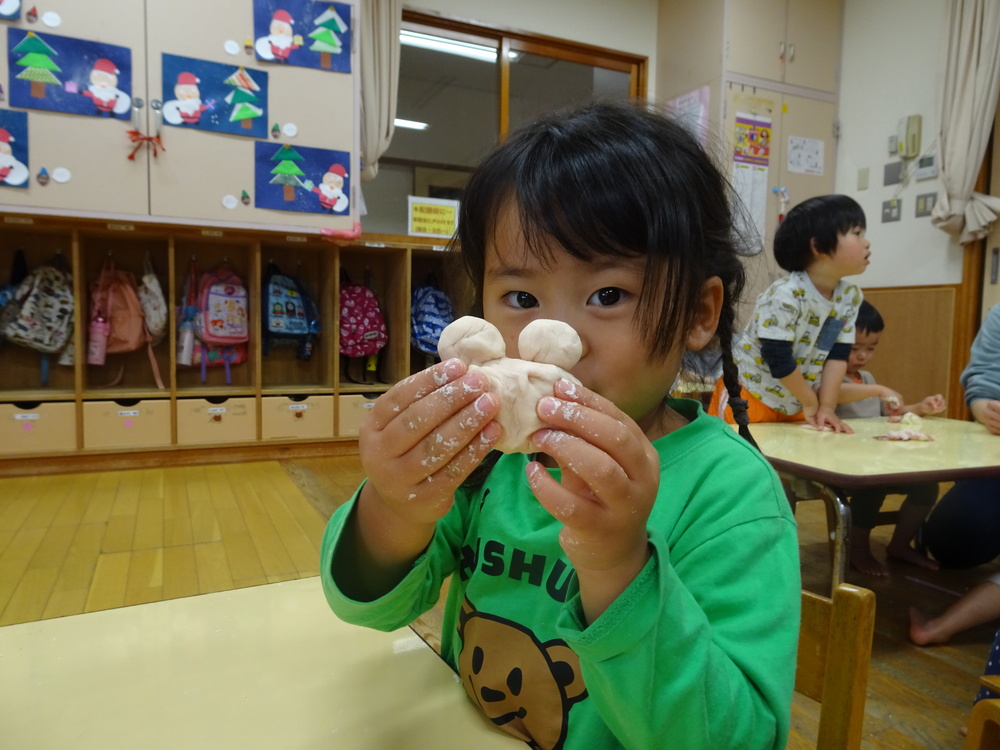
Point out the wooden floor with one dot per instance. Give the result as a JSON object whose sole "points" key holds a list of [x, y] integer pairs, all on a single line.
{"points": [[77, 543]]}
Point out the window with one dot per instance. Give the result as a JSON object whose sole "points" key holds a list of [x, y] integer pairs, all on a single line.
{"points": [[463, 87]]}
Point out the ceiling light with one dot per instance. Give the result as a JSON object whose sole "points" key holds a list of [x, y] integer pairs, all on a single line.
{"points": [[411, 124], [449, 46]]}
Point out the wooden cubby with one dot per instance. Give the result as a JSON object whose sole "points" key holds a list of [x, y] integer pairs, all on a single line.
{"points": [[272, 399]]}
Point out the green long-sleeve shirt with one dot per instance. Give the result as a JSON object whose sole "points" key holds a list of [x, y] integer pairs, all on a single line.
{"points": [[698, 652]]}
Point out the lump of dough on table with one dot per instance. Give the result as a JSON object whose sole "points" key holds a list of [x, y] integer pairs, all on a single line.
{"points": [[549, 349]]}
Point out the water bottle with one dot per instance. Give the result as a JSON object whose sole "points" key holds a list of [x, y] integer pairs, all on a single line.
{"points": [[185, 344], [97, 341]]}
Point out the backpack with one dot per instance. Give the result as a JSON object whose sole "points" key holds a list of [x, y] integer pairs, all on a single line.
{"points": [[222, 316], [117, 320], [154, 304], [362, 326], [193, 350], [40, 314], [115, 301], [289, 314], [430, 312]]}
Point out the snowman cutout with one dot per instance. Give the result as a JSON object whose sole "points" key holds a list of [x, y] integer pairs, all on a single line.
{"points": [[549, 349]]}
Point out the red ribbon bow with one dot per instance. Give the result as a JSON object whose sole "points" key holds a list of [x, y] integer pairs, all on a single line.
{"points": [[140, 140]]}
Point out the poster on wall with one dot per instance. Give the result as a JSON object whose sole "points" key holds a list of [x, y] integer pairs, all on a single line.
{"points": [[751, 156], [13, 149], [212, 96], [691, 110], [805, 155], [300, 178], [10, 9], [307, 33], [63, 74]]}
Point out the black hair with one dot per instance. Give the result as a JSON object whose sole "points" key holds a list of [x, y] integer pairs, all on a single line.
{"points": [[618, 180], [815, 223], [869, 320]]}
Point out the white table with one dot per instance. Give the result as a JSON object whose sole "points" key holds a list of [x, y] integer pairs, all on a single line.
{"points": [[265, 667]]}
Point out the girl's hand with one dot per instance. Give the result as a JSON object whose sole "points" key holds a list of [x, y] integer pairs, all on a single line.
{"points": [[610, 478], [424, 437], [893, 400], [931, 405], [826, 419]]}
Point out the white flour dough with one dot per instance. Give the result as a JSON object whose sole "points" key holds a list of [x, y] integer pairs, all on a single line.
{"points": [[549, 348]]}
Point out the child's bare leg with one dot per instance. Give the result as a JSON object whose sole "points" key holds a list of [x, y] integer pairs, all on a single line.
{"points": [[862, 559], [980, 605], [901, 546]]}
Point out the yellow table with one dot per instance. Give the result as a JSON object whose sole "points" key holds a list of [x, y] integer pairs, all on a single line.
{"points": [[831, 466], [263, 667]]}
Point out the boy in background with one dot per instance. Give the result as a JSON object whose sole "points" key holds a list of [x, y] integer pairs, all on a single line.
{"points": [[862, 397], [793, 353]]}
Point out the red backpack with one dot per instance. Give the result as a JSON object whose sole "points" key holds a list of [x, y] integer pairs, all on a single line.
{"points": [[362, 326]]}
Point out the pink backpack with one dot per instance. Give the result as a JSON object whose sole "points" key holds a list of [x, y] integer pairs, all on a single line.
{"points": [[222, 316], [362, 326]]}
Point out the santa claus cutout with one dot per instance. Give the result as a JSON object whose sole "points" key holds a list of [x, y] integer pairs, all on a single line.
{"points": [[12, 172], [187, 107], [104, 91], [280, 42], [331, 191]]}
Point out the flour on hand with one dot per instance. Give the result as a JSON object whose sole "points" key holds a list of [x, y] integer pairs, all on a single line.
{"points": [[549, 349]]}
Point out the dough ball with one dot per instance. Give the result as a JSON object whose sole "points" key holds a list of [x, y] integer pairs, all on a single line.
{"points": [[550, 341], [472, 340]]}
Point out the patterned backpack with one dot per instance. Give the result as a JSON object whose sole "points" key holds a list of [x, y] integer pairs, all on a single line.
{"points": [[362, 326], [430, 312], [40, 315], [222, 316], [289, 314]]}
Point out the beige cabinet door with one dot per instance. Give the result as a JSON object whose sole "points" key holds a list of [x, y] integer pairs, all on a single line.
{"points": [[755, 37], [812, 43], [202, 171], [792, 41], [93, 150]]}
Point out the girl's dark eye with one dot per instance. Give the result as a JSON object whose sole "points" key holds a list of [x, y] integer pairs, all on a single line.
{"points": [[521, 299], [606, 297]]}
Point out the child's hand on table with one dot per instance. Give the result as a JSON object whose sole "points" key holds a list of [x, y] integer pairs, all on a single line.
{"points": [[610, 477], [824, 418]]}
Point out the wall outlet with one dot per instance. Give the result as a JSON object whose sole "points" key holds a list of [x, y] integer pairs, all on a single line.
{"points": [[863, 178], [892, 210], [893, 145], [925, 204]]}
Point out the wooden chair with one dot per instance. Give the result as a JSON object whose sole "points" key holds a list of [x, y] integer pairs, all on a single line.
{"points": [[984, 724], [835, 646]]}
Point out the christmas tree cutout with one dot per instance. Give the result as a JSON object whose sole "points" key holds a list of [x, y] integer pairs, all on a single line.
{"points": [[37, 64], [241, 98], [325, 41], [287, 172]]}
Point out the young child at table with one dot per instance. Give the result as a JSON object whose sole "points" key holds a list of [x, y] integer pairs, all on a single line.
{"points": [[616, 588], [793, 353], [862, 397]]}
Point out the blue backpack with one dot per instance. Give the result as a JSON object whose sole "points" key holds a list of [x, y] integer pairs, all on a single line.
{"points": [[289, 314], [430, 312]]}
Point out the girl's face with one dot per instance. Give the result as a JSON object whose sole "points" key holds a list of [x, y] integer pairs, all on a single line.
{"points": [[599, 300]]}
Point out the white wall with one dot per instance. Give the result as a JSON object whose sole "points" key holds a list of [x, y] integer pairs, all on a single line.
{"points": [[889, 69], [624, 25]]}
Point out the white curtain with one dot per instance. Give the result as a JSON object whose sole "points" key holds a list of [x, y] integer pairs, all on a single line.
{"points": [[968, 105], [379, 51]]}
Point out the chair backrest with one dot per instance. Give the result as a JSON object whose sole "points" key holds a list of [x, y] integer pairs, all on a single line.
{"points": [[835, 646], [984, 724]]}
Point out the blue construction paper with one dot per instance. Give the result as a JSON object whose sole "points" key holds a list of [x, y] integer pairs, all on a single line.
{"points": [[324, 29]]}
